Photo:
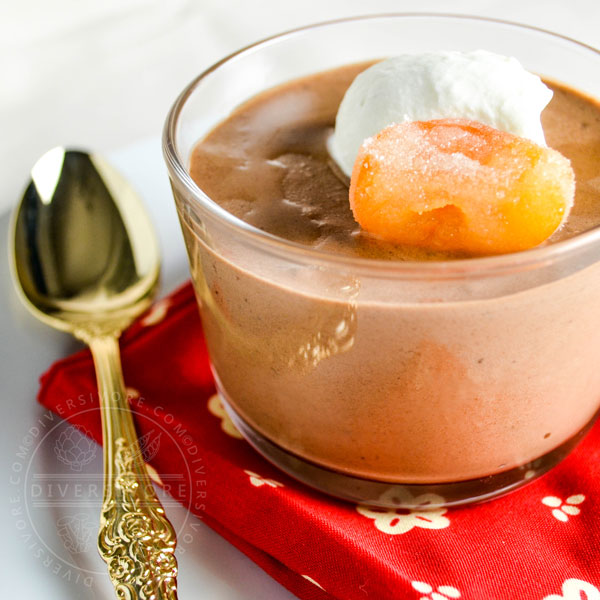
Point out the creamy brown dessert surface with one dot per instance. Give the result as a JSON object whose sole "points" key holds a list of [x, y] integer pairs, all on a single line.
{"points": [[268, 165]]}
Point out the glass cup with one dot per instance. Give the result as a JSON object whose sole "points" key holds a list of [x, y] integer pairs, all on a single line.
{"points": [[375, 381]]}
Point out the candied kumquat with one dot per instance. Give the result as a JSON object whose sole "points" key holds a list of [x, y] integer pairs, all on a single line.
{"points": [[459, 185]]}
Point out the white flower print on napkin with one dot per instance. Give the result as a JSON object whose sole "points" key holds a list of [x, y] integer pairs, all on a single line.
{"points": [[308, 578], [132, 393], [400, 520], [215, 406], [157, 313], [572, 589], [259, 480], [562, 510], [444, 592]]}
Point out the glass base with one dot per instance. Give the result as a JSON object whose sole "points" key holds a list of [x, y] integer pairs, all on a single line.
{"points": [[394, 495]]}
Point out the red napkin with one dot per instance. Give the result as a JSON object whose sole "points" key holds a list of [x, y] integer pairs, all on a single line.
{"points": [[539, 543]]}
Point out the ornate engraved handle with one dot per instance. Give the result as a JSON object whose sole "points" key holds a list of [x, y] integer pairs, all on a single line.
{"points": [[136, 540]]}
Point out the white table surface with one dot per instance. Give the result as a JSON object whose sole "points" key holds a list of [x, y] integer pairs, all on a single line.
{"points": [[102, 75]]}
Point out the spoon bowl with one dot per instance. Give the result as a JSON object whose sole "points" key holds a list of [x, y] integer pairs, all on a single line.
{"points": [[86, 261], [83, 245]]}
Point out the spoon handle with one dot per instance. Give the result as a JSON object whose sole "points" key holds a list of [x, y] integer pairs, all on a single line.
{"points": [[136, 540]]}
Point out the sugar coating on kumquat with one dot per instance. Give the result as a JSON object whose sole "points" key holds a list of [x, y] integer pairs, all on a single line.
{"points": [[459, 185]]}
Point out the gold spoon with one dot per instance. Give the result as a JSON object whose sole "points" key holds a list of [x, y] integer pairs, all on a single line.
{"points": [[86, 261]]}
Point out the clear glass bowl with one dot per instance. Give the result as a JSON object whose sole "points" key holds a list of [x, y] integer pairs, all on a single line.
{"points": [[377, 381]]}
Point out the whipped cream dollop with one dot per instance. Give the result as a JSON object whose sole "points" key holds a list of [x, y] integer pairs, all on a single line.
{"points": [[478, 85]]}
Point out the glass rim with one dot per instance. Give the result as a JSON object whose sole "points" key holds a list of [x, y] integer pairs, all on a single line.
{"points": [[435, 269]]}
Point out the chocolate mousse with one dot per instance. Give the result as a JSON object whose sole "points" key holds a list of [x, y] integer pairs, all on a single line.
{"points": [[355, 375]]}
